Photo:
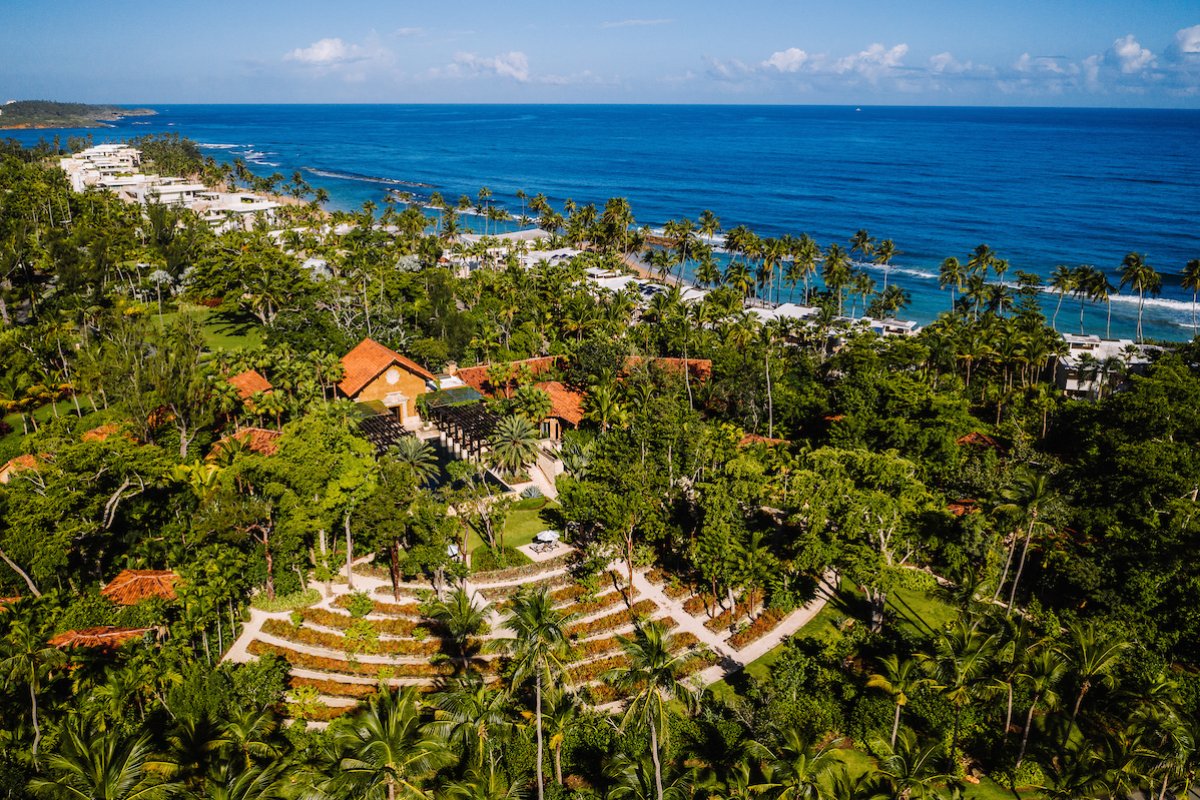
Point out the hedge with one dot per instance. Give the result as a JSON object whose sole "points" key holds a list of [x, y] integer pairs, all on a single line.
{"points": [[286, 602], [331, 619], [590, 648], [699, 604], [600, 603], [380, 607], [320, 713], [727, 617], [533, 568], [335, 688], [498, 592], [327, 664], [670, 586], [331, 641], [766, 622], [581, 630]]}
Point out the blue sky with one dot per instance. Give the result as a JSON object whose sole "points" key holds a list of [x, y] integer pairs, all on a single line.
{"points": [[1020, 52]]}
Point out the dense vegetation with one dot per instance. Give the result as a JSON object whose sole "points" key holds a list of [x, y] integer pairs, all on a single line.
{"points": [[1018, 605]]}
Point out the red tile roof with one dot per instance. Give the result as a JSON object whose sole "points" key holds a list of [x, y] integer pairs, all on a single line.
{"points": [[249, 383], [961, 508], [565, 403], [477, 377], [699, 368], [754, 438], [977, 439], [15, 465], [131, 586], [259, 440], [104, 637], [104, 432], [368, 360]]}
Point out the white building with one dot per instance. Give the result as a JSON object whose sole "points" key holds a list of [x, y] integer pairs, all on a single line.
{"points": [[1093, 365]]}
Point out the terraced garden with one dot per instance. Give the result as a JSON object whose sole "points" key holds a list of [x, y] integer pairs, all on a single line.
{"points": [[346, 647]]}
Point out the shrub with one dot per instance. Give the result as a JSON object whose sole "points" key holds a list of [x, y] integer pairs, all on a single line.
{"points": [[361, 637], [766, 622], [727, 618], [331, 619], [297, 618], [380, 607], [484, 559], [332, 641], [359, 604], [531, 493], [327, 664], [335, 688], [496, 592], [524, 570], [610, 622], [286, 602]]}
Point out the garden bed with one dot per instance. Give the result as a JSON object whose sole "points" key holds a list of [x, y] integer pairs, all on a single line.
{"points": [[332, 619], [763, 624], [338, 665], [581, 630], [330, 641]]}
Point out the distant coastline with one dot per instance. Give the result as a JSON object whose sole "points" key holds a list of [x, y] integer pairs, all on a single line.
{"points": [[46, 115]]}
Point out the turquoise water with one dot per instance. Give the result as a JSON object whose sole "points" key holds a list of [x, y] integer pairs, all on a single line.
{"points": [[1041, 186]]}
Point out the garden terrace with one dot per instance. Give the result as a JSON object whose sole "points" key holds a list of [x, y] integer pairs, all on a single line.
{"points": [[469, 426]]}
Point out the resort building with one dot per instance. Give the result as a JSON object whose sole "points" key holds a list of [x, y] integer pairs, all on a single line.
{"points": [[376, 374], [1092, 366], [88, 167], [249, 383], [226, 211]]}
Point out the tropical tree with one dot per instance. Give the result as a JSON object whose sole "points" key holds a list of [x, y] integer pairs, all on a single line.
{"points": [[910, 770], [539, 649], [1027, 496], [1093, 657], [1143, 279], [90, 764], [462, 622], [1190, 280], [385, 751], [1062, 281], [951, 274], [472, 715], [900, 679], [884, 254], [651, 680], [796, 769], [515, 444], [418, 455], [25, 658], [1041, 676], [960, 657]]}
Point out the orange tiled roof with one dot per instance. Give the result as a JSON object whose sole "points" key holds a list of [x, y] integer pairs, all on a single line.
{"points": [[131, 586], [565, 403], [961, 508], [15, 465], [368, 360], [477, 377], [977, 439], [249, 383], [104, 432], [104, 637], [259, 440], [5, 602]]}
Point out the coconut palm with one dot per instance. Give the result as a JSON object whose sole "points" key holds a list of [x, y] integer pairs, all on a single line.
{"points": [[910, 770], [385, 752], [90, 764], [482, 784], [651, 680], [796, 769], [462, 622], [960, 658], [884, 254], [836, 272], [1062, 281], [951, 274], [1042, 673], [418, 455], [1100, 290], [899, 679], [539, 649], [861, 242], [1143, 278], [1093, 658], [471, 715], [514, 444], [635, 779], [561, 714], [25, 658], [1027, 496], [1190, 280]]}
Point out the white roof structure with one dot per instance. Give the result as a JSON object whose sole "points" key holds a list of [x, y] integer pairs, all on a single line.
{"points": [[618, 283], [529, 235]]}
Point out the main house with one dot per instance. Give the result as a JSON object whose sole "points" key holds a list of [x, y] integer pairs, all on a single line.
{"points": [[376, 374]]}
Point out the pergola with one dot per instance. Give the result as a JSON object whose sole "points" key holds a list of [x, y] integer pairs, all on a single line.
{"points": [[470, 426], [383, 431]]}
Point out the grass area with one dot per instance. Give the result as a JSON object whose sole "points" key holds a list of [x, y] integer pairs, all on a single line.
{"points": [[526, 520], [10, 444], [220, 330]]}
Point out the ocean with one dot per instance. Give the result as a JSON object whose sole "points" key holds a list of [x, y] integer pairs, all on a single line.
{"points": [[1041, 186]]}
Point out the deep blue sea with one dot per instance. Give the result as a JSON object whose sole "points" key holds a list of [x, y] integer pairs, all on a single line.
{"points": [[1041, 186]]}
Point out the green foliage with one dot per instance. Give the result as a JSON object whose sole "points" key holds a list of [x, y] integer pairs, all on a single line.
{"points": [[287, 602], [359, 604]]}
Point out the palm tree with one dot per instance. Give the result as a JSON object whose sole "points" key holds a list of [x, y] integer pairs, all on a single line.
{"points": [[635, 779], [795, 770], [479, 784], [101, 765], [651, 680], [462, 623], [560, 716], [27, 659], [417, 454], [961, 655], [1100, 289], [910, 771], [1143, 278], [1093, 658], [515, 444], [836, 271], [883, 257], [900, 679], [1062, 280], [1191, 280], [539, 648], [861, 242], [385, 752], [471, 715], [951, 274], [1028, 494], [1041, 676]]}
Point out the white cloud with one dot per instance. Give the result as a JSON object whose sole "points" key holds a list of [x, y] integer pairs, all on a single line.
{"points": [[874, 62], [635, 23], [790, 60], [408, 32], [1130, 56], [513, 65], [1187, 40], [327, 53]]}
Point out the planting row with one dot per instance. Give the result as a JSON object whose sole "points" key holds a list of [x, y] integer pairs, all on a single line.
{"points": [[766, 622], [361, 638], [525, 570], [392, 627], [338, 665], [582, 630]]}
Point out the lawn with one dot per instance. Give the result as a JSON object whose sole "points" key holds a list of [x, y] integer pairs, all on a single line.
{"points": [[526, 519], [220, 330]]}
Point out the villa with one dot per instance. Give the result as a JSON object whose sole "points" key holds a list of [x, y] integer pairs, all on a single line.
{"points": [[376, 374], [1092, 364]]}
